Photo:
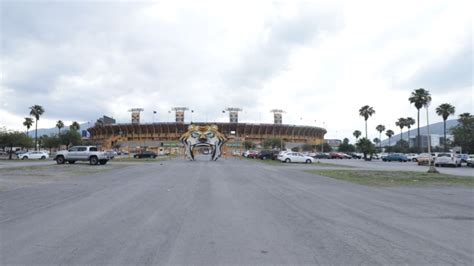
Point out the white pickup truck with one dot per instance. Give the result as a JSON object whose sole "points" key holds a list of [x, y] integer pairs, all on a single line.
{"points": [[82, 153]]}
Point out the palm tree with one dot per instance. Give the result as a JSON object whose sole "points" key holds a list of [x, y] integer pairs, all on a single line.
{"points": [[28, 123], [59, 125], [376, 140], [401, 122], [75, 126], [419, 98], [36, 112], [357, 134], [366, 112], [445, 110], [409, 122], [389, 134], [380, 129]]}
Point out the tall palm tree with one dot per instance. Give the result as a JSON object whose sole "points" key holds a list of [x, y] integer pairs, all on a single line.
{"points": [[445, 110], [389, 134], [357, 134], [75, 126], [36, 111], [409, 122], [28, 123], [59, 125], [419, 98], [366, 112], [401, 122], [380, 129]]}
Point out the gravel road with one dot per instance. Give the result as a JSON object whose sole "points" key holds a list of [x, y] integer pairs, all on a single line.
{"points": [[231, 212]]}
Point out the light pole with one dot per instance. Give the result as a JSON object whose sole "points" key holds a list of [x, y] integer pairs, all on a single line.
{"points": [[322, 139]]}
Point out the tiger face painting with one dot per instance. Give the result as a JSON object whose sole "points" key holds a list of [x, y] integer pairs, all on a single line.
{"points": [[203, 136]]}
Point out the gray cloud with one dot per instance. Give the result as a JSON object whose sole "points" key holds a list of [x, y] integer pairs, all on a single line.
{"points": [[67, 54], [449, 71]]}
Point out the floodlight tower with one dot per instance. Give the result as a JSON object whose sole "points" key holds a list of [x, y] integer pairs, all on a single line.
{"points": [[136, 115], [233, 114], [277, 116], [179, 113]]}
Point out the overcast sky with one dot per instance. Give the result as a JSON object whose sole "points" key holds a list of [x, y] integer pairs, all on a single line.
{"points": [[320, 61]]}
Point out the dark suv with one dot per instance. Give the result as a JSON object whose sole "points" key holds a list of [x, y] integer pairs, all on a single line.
{"points": [[145, 154], [264, 155]]}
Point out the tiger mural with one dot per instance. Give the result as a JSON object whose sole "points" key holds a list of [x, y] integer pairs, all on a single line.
{"points": [[203, 136]]}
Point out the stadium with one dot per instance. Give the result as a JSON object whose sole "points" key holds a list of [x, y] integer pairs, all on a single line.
{"points": [[164, 136]]}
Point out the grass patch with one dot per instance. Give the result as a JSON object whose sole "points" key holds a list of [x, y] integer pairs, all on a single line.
{"points": [[395, 178], [55, 170]]}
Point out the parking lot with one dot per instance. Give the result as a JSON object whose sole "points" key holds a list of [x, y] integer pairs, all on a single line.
{"points": [[400, 166], [231, 211]]}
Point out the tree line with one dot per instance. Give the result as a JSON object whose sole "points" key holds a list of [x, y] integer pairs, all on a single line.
{"points": [[463, 133], [10, 139]]}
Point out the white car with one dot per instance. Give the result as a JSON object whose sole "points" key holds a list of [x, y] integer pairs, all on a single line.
{"points": [[34, 155], [447, 159], [412, 157], [295, 157]]}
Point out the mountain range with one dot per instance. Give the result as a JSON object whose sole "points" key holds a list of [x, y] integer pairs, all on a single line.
{"points": [[436, 129]]}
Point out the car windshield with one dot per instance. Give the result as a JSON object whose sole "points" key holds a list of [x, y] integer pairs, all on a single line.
{"points": [[444, 155]]}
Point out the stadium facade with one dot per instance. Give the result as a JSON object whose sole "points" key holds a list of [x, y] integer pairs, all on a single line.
{"points": [[164, 136]]}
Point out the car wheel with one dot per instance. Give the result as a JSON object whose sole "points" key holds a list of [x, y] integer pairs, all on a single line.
{"points": [[415, 160], [24, 158], [43, 158], [308, 161], [71, 162], [287, 160], [93, 160], [60, 160]]}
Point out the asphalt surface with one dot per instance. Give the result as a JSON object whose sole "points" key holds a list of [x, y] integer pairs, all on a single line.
{"points": [[232, 212], [400, 166]]}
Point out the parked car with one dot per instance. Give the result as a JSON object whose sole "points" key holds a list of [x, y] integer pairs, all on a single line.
{"points": [[20, 152], [82, 153], [412, 157], [264, 155], [346, 156], [463, 157], [34, 155], [111, 154], [397, 157], [424, 159], [295, 157], [322, 155], [470, 160], [336, 155], [447, 159], [355, 155], [145, 154], [250, 154]]}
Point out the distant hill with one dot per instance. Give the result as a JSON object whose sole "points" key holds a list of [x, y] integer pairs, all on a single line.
{"points": [[436, 128]]}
